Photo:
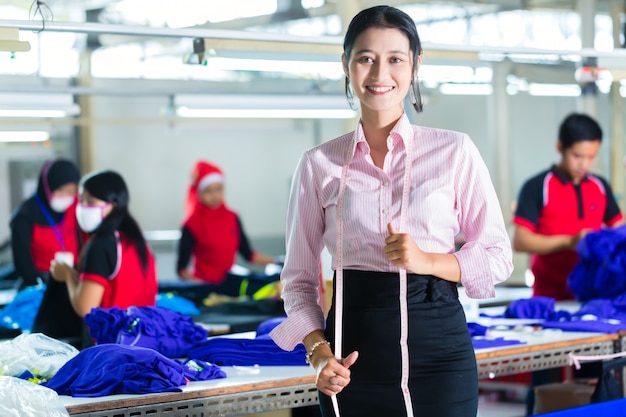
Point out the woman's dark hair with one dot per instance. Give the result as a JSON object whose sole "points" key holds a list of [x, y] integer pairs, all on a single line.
{"points": [[391, 18], [109, 186], [578, 127]]}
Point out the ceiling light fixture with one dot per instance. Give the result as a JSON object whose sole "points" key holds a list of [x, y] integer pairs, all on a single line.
{"points": [[24, 136], [267, 113], [263, 106], [38, 105], [560, 90], [466, 89]]}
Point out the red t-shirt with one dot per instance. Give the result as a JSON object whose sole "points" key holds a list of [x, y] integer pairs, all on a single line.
{"points": [[114, 263], [551, 204]]}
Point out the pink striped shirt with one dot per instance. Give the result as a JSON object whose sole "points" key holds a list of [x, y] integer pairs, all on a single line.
{"points": [[451, 193]]}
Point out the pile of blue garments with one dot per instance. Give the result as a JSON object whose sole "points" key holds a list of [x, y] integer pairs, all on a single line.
{"points": [[152, 349], [164, 330], [119, 369], [602, 315], [601, 270]]}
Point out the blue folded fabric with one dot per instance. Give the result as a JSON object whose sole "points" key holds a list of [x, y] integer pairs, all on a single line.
{"points": [[105, 323], [476, 329], [480, 343], [598, 315], [530, 308], [117, 369], [599, 326], [226, 351], [541, 308], [166, 331], [601, 315], [197, 370], [268, 325], [602, 262]]}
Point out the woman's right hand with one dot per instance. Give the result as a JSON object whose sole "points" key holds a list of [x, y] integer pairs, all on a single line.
{"points": [[333, 375]]}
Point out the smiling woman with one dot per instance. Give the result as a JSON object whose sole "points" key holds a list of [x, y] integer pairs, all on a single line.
{"points": [[387, 200]]}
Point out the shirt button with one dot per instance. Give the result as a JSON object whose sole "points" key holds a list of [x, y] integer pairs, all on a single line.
{"points": [[385, 211]]}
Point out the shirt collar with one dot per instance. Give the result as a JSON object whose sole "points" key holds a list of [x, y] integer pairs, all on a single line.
{"points": [[563, 177], [402, 131]]}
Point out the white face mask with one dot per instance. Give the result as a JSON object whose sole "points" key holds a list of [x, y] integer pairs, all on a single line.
{"points": [[89, 217], [60, 204]]}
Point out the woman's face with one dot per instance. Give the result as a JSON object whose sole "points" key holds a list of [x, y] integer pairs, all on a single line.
{"points": [[212, 195], [380, 69], [87, 199]]}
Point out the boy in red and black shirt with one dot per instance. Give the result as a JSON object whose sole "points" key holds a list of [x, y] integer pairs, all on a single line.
{"points": [[557, 207]]}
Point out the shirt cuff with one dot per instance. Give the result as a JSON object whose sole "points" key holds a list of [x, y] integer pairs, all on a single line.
{"points": [[296, 327], [475, 272]]}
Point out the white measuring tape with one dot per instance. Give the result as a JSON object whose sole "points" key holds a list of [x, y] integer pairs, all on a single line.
{"points": [[404, 327], [576, 359]]}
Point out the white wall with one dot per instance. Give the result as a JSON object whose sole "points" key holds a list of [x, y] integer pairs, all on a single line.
{"points": [[258, 158]]}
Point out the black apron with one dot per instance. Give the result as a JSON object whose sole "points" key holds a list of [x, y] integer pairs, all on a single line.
{"points": [[56, 316], [443, 378]]}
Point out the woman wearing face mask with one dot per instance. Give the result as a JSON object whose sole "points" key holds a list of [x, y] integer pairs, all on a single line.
{"points": [[116, 268], [44, 226]]}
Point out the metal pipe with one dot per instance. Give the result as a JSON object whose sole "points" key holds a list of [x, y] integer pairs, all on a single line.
{"points": [[144, 31], [130, 30]]}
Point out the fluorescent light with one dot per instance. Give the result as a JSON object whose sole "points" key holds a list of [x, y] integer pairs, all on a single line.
{"points": [[332, 70], [454, 74], [263, 106], [562, 90], [37, 105], [24, 136], [267, 113], [466, 89], [33, 113]]}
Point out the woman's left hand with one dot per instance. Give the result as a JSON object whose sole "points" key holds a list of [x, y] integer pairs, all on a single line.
{"points": [[61, 271], [402, 251]]}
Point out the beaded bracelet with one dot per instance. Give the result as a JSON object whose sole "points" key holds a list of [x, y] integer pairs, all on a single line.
{"points": [[307, 357]]}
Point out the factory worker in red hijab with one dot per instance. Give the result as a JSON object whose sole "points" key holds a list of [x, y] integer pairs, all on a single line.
{"points": [[44, 228], [212, 233]]}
